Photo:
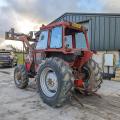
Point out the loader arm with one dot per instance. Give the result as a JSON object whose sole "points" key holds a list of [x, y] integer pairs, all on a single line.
{"points": [[26, 42], [25, 38]]}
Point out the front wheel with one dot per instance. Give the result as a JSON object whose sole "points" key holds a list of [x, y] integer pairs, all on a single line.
{"points": [[20, 77], [54, 80]]}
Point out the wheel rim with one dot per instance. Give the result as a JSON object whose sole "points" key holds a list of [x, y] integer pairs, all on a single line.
{"points": [[18, 77], [48, 82]]}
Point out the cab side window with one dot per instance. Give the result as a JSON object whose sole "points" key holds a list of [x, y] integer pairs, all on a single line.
{"points": [[80, 40], [56, 37], [43, 39]]}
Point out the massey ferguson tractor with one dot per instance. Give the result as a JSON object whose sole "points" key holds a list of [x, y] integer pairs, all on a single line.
{"points": [[60, 60]]}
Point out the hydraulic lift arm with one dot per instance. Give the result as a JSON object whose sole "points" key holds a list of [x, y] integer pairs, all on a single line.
{"points": [[11, 35], [25, 42]]}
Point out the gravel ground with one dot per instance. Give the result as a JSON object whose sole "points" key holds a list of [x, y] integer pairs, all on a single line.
{"points": [[16, 104]]}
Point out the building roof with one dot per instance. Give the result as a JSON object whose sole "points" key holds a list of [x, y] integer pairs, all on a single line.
{"points": [[88, 14]]}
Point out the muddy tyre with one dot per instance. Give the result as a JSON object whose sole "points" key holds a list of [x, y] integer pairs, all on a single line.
{"points": [[93, 76], [54, 80], [20, 77]]}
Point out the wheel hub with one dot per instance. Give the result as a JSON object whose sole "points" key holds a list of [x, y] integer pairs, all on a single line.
{"points": [[48, 82], [51, 80]]}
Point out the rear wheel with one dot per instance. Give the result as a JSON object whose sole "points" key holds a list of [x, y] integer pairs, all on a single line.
{"points": [[54, 81], [93, 77], [20, 77]]}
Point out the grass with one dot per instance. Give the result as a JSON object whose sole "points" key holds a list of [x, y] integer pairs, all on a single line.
{"points": [[20, 58]]}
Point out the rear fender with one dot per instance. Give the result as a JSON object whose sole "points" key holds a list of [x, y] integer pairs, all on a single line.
{"points": [[85, 58]]}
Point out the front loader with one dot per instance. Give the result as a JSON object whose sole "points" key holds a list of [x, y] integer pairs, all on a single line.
{"points": [[60, 60]]}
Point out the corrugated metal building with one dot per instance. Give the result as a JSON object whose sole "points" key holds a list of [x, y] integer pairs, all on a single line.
{"points": [[103, 29], [103, 34]]}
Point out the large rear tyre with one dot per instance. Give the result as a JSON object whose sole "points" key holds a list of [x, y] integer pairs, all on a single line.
{"points": [[54, 81], [20, 77], [93, 78]]}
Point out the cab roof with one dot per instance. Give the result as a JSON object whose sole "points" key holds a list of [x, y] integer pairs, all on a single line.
{"points": [[65, 24]]}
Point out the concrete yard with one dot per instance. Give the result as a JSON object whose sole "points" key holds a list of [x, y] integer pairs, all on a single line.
{"points": [[16, 104]]}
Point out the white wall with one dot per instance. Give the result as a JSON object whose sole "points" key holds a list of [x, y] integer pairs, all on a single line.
{"points": [[99, 59]]}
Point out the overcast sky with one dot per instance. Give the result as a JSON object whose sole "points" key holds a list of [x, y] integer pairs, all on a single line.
{"points": [[26, 15]]}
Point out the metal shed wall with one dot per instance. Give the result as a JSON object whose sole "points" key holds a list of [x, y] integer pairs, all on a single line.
{"points": [[104, 29]]}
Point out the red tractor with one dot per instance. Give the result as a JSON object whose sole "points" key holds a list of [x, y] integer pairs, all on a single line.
{"points": [[59, 60]]}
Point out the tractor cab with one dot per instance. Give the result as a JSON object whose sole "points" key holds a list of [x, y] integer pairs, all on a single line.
{"points": [[63, 35], [65, 40]]}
